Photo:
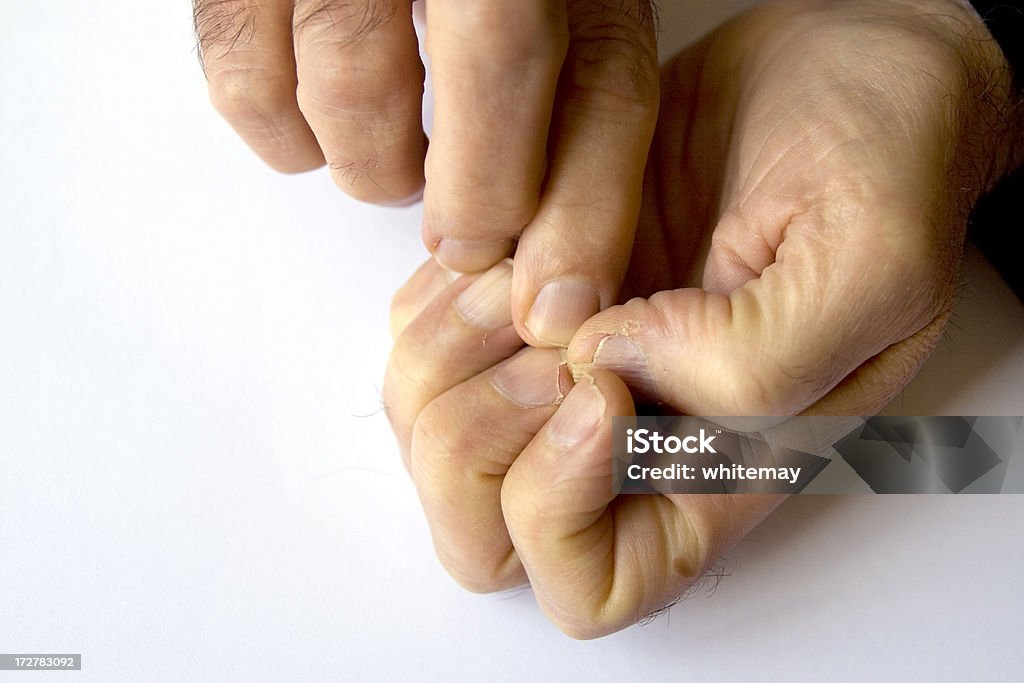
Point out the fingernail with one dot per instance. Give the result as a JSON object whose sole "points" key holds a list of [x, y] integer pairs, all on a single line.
{"points": [[622, 356], [470, 256], [578, 417], [487, 303], [532, 378], [560, 308], [407, 201]]}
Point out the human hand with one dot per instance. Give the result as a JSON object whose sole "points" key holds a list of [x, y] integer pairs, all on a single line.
{"points": [[812, 172], [829, 179], [513, 465], [544, 112]]}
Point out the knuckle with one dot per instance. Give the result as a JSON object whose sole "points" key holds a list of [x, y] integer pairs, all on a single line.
{"points": [[337, 78], [642, 14], [453, 456], [442, 459], [613, 74], [403, 393], [247, 97], [528, 511], [440, 450], [330, 87], [614, 64], [395, 414], [404, 374]]}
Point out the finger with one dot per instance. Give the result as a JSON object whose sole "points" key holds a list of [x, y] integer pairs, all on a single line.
{"points": [[599, 563], [834, 297], [572, 256], [464, 442], [659, 545], [463, 331], [246, 50], [424, 286], [495, 68], [360, 87]]}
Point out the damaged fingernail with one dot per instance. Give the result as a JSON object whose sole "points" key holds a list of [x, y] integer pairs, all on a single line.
{"points": [[622, 356], [533, 378]]}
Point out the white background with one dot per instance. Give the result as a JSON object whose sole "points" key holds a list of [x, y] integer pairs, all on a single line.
{"points": [[196, 482]]}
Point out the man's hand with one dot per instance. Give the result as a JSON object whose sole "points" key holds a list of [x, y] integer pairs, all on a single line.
{"points": [[513, 465], [544, 112], [817, 163], [813, 169]]}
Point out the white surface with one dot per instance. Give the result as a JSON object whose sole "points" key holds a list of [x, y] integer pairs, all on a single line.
{"points": [[189, 489]]}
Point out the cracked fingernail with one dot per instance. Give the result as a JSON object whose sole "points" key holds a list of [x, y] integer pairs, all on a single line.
{"points": [[533, 378], [622, 356]]}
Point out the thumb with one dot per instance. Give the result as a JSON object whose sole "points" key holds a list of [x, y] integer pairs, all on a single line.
{"points": [[772, 346], [598, 563]]}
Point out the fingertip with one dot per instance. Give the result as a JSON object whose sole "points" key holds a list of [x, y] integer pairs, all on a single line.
{"points": [[618, 400], [470, 256], [631, 320], [578, 418], [390, 178], [288, 165], [412, 199], [578, 437]]}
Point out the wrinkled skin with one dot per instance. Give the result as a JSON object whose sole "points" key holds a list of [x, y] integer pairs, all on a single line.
{"points": [[797, 252], [540, 106]]}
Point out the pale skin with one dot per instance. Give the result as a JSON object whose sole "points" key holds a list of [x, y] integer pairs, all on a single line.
{"points": [[797, 251], [544, 111], [783, 238]]}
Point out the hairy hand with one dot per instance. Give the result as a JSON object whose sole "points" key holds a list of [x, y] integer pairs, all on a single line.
{"points": [[806, 206], [544, 112], [797, 251]]}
